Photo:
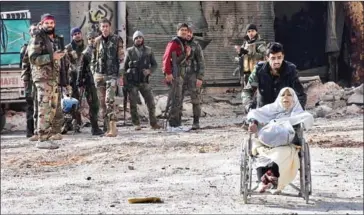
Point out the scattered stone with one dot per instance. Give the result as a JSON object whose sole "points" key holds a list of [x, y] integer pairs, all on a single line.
{"points": [[88, 178], [354, 109], [322, 111], [130, 167], [358, 96]]}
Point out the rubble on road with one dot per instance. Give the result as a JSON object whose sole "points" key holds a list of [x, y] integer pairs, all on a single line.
{"points": [[331, 100]]}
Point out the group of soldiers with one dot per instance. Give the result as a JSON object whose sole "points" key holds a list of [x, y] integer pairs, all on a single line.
{"points": [[53, 72]]}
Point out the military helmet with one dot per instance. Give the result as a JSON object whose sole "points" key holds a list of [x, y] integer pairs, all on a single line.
{"points": [[137, 34]]}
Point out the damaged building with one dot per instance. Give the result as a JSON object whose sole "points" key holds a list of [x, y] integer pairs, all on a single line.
{"points": [[321, 38]]}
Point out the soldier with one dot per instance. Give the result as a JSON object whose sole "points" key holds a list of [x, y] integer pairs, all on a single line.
{"points": [[46, 60], [139, 64], [178, 46], [28, 84], [249, 53], [85, 82], [78, 46], [194, 76], [105, 65]]}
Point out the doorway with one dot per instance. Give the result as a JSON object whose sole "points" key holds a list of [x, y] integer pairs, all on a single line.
{"points": [[301, 28]]}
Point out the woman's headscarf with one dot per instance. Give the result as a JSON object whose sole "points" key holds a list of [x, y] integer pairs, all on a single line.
{"points": [[275, 111]]}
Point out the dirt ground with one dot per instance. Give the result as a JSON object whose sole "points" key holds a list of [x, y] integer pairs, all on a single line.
{"points": [[193, 172]]}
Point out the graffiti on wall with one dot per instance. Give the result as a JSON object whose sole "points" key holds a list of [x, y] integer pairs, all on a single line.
{"points": [[14, 34], [86, 15], [95, 13]]}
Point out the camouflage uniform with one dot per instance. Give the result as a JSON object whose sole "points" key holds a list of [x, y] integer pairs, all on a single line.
{"points": [[137, 59], [29, 90], [195, 70], [105, 65], [85, 79], [177, 45], [46, 75], [252, 51]]}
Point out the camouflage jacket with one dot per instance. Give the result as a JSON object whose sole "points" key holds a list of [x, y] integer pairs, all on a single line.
{"points": [[267, 86], [108, 55], [84, 76], [40, 51], [256, 48], [196, 61]]}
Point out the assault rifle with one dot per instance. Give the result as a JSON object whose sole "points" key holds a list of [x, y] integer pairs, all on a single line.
{"points": [[260, 46]]}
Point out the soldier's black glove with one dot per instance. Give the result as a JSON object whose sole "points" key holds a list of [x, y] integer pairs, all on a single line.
{"points": [[243, 51]]}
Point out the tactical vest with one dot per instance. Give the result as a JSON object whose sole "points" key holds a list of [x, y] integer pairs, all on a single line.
{"points": [[137, 63]]}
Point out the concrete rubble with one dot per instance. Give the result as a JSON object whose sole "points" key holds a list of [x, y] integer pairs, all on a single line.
{"points": [[323, 100]]}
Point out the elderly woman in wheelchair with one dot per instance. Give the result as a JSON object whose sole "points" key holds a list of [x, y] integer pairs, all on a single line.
{"points": [[275, 158]]}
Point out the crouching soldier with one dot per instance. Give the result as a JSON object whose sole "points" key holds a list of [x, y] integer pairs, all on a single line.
{"points": [[139, 64], [251, 52], [86, 84]]}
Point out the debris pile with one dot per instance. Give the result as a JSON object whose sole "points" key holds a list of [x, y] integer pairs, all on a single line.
{"points": [[331, 100]]}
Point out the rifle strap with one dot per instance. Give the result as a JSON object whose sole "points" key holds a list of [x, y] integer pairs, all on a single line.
{"points": [[182, 47]]}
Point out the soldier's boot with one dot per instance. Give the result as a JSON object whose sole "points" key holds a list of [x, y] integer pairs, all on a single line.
{"points": [[113, 132], [95, 130], [35, 137], [196, 123], [57, 136], [43, 137], [137, 127], [156, 126], [46, 143]]}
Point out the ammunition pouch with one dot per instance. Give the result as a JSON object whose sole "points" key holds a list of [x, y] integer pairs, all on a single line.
{"points": [[136, 76]]}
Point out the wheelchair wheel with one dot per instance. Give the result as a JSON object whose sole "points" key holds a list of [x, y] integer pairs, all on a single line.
{"points": [[308, 178], [304, 172], [243, 173], [308, 159]]}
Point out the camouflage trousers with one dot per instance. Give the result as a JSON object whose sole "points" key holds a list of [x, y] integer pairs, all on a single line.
{"points": [[106, 90], [59, 117], [175, 101], [147, 94], [93, 103], [189, 84], [47, 102]]}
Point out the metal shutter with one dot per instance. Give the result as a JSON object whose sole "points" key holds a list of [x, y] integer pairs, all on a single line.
{"points": [[221, 22]]}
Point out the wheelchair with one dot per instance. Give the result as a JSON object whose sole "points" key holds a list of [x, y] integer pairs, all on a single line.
{"points": [[246, 169]]}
